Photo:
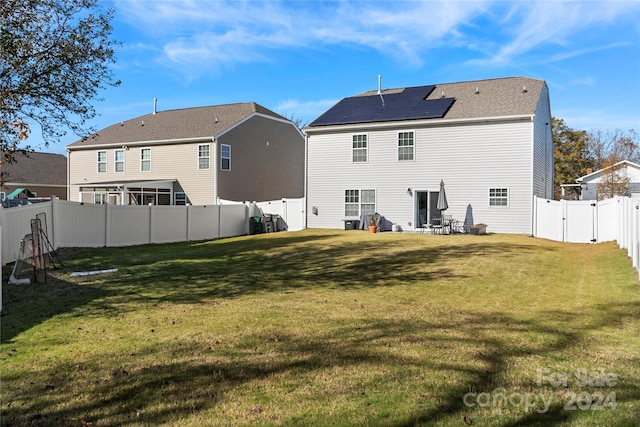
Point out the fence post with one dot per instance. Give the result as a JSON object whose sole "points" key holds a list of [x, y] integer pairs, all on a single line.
{"points": [[107, 225], [150, 239], [534, 221], [188, 225]]}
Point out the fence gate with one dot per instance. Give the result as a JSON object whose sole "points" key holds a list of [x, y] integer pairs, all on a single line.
{"points": [[581, 221], [576, 221]]}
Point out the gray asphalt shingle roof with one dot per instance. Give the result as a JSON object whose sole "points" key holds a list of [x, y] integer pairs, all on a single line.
{"points": [[509, 96], [36, 168], [186, 123]]}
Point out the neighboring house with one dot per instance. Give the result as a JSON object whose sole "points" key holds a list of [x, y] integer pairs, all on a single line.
{"points": [[240, 152], [625, 171], [34, 175], [387, 151]]}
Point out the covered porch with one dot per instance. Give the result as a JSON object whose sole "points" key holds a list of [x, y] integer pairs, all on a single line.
{"points": [[155, 192]]}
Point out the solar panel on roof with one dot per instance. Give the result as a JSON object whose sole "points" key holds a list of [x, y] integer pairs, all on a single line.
{"points": [[409, 104]]}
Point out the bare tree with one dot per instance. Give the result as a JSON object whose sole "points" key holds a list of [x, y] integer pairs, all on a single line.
{"points": [[609, 149]]}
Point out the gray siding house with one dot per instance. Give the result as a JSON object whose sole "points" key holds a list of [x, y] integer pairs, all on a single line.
{"points": [[386, 151], [240, 152]]}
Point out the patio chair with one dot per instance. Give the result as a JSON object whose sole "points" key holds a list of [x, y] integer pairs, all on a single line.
{"points": [[436, 225], [424, 225], [447, 224]]}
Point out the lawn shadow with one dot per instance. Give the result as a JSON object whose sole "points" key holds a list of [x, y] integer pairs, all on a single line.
{"points": [[202, 272], [25, 306], [203, 375]]}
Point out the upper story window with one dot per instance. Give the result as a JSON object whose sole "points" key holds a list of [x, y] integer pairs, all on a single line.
{"points": [[119, 161], [359, 148], [225, 157], [145, 159], [498, 197], [203, 156], [102, 161], [405, 146]]}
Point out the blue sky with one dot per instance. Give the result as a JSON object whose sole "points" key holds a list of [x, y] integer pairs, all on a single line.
{"points": [[298, 58]]}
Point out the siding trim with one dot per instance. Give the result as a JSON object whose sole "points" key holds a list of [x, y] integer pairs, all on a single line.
{"points": [[144, 143], [415, 123]]}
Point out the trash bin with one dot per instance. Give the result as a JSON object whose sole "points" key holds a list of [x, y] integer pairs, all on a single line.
{"points": [[351, 224], [256, 226]]}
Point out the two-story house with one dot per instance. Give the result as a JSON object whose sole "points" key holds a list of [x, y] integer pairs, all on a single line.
{"points": [[387, 151], [240, 152]]}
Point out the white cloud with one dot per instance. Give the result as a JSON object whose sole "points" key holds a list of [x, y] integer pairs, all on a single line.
{"points": [[195, 38], [306, 111], [201, 36], [532, 24]]}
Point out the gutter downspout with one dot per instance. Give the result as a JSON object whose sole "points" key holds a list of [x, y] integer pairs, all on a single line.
{"points": [[69, 175], [215, 170]]}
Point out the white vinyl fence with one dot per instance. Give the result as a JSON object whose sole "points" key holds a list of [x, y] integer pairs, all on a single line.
{"points": [[292, 211], [590, 221], [73, 224]]}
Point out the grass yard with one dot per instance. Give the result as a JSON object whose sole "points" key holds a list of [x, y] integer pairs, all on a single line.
{"points": [[341, 328]]}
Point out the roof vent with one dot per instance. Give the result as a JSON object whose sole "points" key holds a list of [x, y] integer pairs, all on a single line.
{"points": [[524, 89], [380, 89], [142, 123], [477, 90], [155, 105], [442, 96]]}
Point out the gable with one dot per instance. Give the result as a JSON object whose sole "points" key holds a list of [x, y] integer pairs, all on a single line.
{"points": [[632, 171]]}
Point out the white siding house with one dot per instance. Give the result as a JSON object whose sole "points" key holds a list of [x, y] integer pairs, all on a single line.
{"points": [[489, 141], [625, 170]]}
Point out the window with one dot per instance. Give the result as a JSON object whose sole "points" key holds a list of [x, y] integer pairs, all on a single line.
{"points": [[359, 148], [203, 157], [145, 159], [2, 195], [358, 202], [225, 157], [405, 146], [100, 198], [119, 161], [149, 196], [180, 199], [102, 161], [498, 197]]}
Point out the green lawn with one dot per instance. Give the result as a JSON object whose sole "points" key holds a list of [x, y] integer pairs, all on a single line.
{"points": [[328, 328]]}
